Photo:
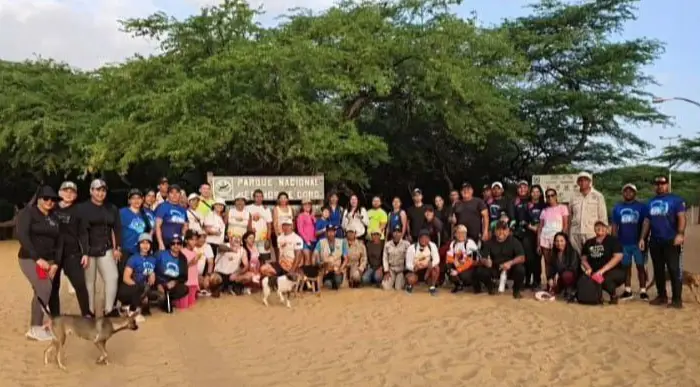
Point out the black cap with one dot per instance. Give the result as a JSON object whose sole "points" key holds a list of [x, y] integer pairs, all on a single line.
{"points": [[466, 185], [429, 208], [397, 228], [135, 192], [331, 227], [174, 187], [501, 225], [659, 180], [163, 180], [417, 191], [424, 232], [48, 193]]}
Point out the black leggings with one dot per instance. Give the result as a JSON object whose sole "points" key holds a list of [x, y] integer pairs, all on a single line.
{"points": [[533, 261], [666, 256], [76, 274], [486, 276], [612, 280], [132, 295], [464, 278]]}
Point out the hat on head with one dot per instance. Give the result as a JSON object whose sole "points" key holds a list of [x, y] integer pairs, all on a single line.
{"points": [[502, 225], [397, 228], [163, 180], [417, 191], [176, 238], [331, 227], [584, 175], [423, 232], [174, 187], [306, 201], [659, 180], [97, 184], [486, 187], [48, 192], [287, 221], [523, 182], [351, 229], [220, 201], [192, 196], [239, 197], [376, 232], [629, 186], [68, 185], [497, 184], [466, 185], [145, 237], [134, 192]]}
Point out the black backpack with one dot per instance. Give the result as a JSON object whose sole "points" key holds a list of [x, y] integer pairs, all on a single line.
{"points": [[589, 292]]}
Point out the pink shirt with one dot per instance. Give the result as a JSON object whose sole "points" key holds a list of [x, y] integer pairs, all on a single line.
{"points": [[254, 259], [192, 272], [306, 227], [552, 219]]}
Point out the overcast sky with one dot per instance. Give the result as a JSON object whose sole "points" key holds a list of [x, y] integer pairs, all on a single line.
{"points": [[85, 34]]}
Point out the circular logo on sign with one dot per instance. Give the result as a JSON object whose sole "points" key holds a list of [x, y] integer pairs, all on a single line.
{"points": [[222, 187]]}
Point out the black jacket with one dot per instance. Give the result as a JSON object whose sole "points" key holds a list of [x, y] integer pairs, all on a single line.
{"points": [[97, 222], [39, 236], [69, 223]]}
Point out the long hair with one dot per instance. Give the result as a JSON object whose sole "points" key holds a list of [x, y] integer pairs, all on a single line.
{"points": [[569, 255], [244, 244], [540, 202]]}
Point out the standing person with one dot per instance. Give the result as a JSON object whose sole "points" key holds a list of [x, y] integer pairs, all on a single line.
{"points": [[416, 216], [397, 219], [195, 220], [433, 225], [206, 200], [239, 219], [149, 202], [601, 258], [499, 206], [171, 218], [282, 213], [454, 199], [665, 226], [306, 226], [215, 225], [487, 194], [553, 219], [100, 235], [262, 224], [322, 223], [501, 254], [134, 222], [627, 220], [586, 208], [39, 254], [337, 212], [521, 221], [192, 258], [378, 218], [394, 261], [443, 212], [533, 259], [473, 213], [355, 217], [163, 191], [67, 214]]}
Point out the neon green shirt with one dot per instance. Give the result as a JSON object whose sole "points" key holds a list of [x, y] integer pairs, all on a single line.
{"points": [[378, 219]]}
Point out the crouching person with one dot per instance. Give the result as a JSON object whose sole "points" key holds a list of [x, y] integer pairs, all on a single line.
{"points": [[332, 254], [422, 263], [357, 258], [171, 273], [374, 272], [394, 260], [601, 258], [139, 278], [460, 259], [502, 255], [231, 268]]}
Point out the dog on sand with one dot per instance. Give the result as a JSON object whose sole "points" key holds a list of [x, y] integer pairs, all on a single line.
{"points": [[98, 330], [284, 285], [689, 279]]}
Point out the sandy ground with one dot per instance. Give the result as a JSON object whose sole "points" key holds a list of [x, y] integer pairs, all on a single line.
{"points": [[369, 337]]}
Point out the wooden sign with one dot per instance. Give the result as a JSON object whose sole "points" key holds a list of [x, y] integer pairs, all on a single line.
{"points": [[297, 187]]}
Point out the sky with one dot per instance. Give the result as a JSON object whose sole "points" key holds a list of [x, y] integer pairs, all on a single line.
{"points": [[85, 34]]}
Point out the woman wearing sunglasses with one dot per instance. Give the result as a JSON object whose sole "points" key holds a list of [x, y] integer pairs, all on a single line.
{"points": [[554, 218], [39, 255]]}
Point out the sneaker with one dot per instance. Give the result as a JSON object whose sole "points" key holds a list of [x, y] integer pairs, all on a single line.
{"points": [[38, 334], [614, 300], [644, 296], [678, 304], [247, 291], [204, 293], [659, 301], [456, 289], [409, 289], [432, 291], [626, 296], [112, 313]]}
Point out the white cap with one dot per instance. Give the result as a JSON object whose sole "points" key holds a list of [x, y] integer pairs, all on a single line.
{"points": [[97, 184], [584, 175], [220, 201], [192, 196], [630, 186], [287, 221], [497, 184]]}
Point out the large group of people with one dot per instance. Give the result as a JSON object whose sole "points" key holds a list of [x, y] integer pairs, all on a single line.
{"points": [[169, 249]]}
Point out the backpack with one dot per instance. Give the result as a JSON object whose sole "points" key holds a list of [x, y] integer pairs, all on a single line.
{"points": [[589, 292]]}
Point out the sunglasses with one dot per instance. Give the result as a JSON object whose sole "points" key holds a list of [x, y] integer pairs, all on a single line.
{"points": [[551, 195], [176, 243], [49, 199]]}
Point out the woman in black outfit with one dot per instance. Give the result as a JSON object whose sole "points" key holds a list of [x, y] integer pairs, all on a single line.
{"points": [[533, 261], [39, 254], [67, 214]]}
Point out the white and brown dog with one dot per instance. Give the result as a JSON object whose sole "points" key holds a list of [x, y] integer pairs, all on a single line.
{"points": [[284, 285]]}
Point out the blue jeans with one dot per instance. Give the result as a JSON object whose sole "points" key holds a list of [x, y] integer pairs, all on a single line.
{"points": [[371, 276]]}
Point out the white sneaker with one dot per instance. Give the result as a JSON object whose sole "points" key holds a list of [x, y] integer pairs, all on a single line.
{"points": [[247, 291], [38, 334]]}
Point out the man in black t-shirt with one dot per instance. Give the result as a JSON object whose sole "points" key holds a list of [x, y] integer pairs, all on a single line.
{"points": [[472, 213], [416, 216], [502, 253], [602, 256]]}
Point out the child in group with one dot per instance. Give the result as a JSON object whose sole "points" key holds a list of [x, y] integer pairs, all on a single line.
{"points": [[322, 224], [191, 238]]}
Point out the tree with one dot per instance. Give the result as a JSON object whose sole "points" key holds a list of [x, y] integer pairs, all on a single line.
{"points": [[686, 151]]}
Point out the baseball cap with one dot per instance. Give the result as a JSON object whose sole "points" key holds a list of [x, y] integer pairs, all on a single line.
{"points": [[423, 232], [192, 197], [497, 184], [287, 221], [584, 175], [145, 237], [220, 201], [659, 180], [629, 186], [523, 182], [163, 180], [417, 191], [97, 184], [466, 185], [174, 187], [501, 225], [397, 228], [134, 192], [351, 230], [68, 185], [331, 227], [600, 223]]}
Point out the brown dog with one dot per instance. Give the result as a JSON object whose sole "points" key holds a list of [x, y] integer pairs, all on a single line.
{"points": [[215, 284], [691, 280], [97, 330]]}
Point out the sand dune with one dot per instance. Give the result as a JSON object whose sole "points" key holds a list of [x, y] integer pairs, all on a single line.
{"points": [[368, 337]]}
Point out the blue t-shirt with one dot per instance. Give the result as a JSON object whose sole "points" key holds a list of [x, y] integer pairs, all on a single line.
{"points": [[173, 217], [142, 267], [133, 225], [167, 266], [321, 225], [336, 219], [394, 221], [629, 217], [662, 212], [331, 246]]}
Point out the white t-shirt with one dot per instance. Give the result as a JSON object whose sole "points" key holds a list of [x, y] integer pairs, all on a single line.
{"points": [[238, 221], [203, 253], [289, 244], [263, 216], [195, 220], [217, 223], [467, 248], [229, 262]]}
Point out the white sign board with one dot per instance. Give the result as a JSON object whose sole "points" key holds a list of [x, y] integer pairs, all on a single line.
{"points": [[297, 187], [564, 184]]}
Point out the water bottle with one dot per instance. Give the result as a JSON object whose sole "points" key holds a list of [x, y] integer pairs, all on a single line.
{"points": [[168, 305], [502, 281]]}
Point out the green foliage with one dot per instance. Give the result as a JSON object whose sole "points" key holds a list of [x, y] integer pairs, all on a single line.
{"points": [[387, 95], [687, 151]]}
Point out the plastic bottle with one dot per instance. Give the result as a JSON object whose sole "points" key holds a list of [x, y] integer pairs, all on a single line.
{"points": [[502, 281]]}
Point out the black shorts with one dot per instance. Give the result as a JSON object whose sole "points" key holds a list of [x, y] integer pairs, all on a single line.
{"points": [[420, 274], [311, 271], [278, 268]]}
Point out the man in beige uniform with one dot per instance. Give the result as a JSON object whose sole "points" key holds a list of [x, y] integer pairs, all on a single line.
{"points": [[585, 209]]}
